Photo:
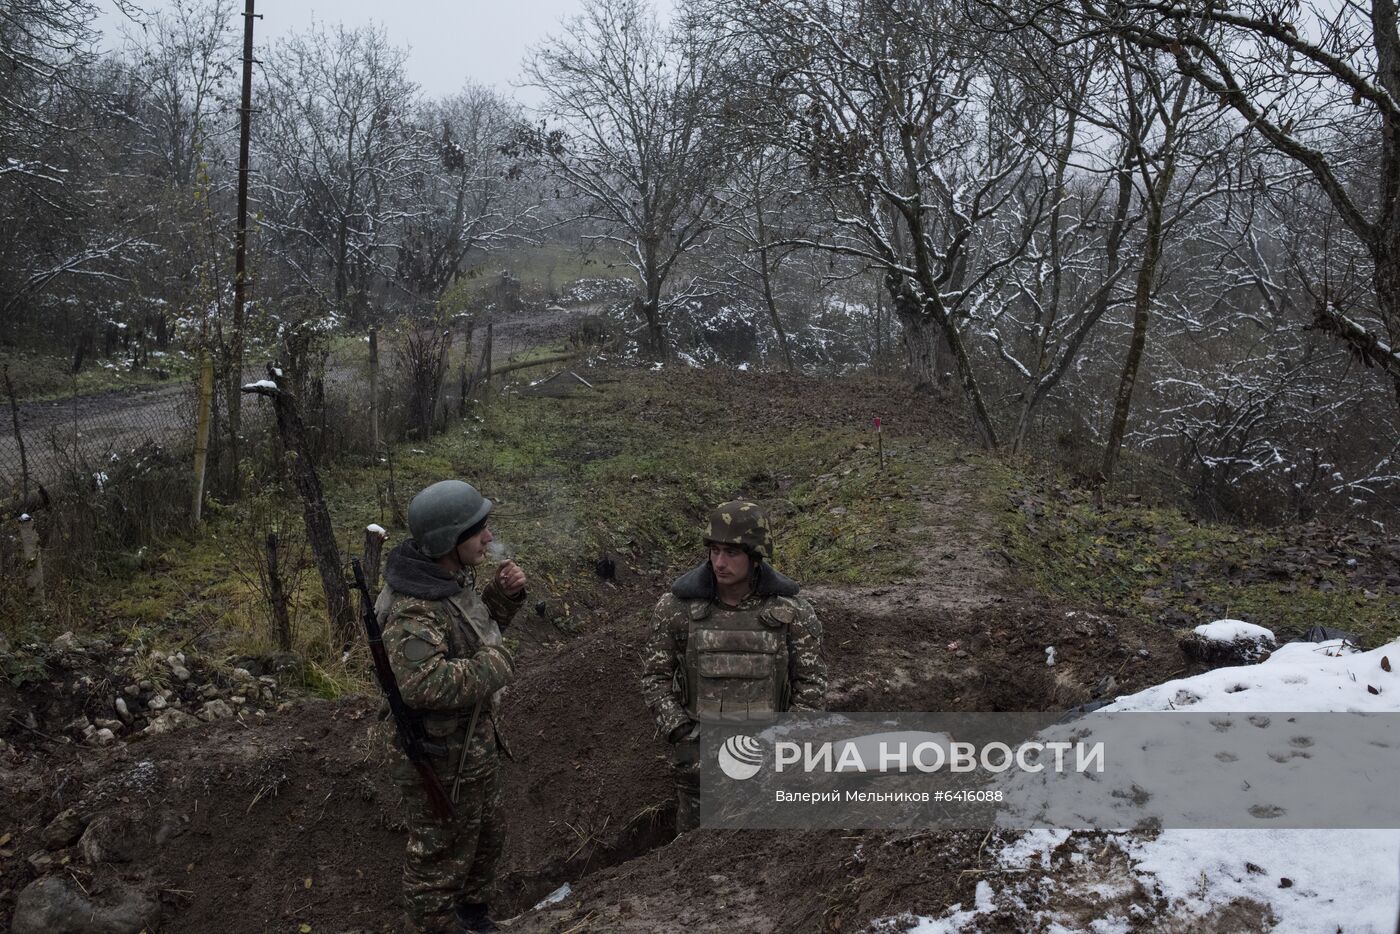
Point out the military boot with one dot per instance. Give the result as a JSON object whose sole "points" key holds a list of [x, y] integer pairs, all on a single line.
{"points": [[475, 917]]}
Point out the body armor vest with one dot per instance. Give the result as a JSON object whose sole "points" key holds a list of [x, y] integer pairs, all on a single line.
{"points": [[736, 661]]}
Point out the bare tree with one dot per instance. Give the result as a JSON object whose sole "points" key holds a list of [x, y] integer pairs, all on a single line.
{"points": [[913, 145], [184, 62], [465, 193], [337, 150], [758, 197], [634, 114], [1321, 83]]}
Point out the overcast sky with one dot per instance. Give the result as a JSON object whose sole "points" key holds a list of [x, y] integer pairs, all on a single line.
{"points": [[449, 41]]}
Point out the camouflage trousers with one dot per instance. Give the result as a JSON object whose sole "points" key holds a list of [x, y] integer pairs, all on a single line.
{"points": [[685, 772], [451, 864]]}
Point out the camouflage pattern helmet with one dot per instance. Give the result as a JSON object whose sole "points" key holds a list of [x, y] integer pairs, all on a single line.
{"points": [[740, 523], [439, 515]]}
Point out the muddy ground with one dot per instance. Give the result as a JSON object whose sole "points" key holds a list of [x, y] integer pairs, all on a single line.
{"points": [[284, 821]]}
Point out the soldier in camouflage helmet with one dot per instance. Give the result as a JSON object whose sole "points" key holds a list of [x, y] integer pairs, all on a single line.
{"points": [[731, 642], [443, 640]]}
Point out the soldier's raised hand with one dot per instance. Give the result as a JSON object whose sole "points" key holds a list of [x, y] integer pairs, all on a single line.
{"points": [[510, 578]]}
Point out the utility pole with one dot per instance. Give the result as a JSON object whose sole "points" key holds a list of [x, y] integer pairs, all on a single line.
{"points": [[240, 253]]}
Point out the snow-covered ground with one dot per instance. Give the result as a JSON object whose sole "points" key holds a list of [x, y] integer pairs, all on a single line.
{"points": [[1209, 880]]}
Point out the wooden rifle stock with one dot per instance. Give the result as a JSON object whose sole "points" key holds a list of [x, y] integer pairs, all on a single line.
{"points": [[406, 723]]}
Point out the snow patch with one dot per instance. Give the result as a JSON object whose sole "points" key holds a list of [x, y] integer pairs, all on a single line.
{"points": [[1311, 880], [1228, 630]]}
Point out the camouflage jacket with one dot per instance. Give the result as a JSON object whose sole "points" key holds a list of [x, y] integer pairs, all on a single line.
{"points": [[445, 648], [773, 615]]}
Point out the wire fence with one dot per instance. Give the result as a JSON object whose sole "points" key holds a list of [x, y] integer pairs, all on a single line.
{"points": [[50, 442], [83, 438]]}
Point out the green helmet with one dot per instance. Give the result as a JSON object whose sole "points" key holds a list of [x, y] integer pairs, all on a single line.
{"points": [[439, 515], [740, 523]]}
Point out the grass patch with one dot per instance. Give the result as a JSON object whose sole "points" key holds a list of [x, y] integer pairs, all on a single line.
{"points": [[1159, 564], [630, 469], [542, 270], [43, 377]]}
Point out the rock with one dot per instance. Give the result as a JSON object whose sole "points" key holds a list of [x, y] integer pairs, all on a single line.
{"points": [[108, 840], [41, 862], [63, 830], [105, 737], [4, 645], [56, 905], [209, 691], [169, 722], [157, 702], [238, 700], [1219, 645], [79, 724], [66, 643], [144, 684], [180, 672], [280, 662], [215, 710], [123, 711], [132, 690]]}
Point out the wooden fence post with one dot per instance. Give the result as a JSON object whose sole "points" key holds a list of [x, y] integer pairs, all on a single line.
{"points": [[375, 536], [320, 534], [374, 388], [201, 433], [33, 557]]}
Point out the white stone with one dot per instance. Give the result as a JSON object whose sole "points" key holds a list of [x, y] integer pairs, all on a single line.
{"points": [[215, 710], [170, 721]]}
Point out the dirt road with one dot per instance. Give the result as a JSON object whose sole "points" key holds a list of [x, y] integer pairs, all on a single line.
{"points": [[90, 428]]}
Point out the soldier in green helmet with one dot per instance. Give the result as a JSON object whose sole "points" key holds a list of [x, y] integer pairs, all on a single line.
{"points": [[732, 642], [443, 640]]}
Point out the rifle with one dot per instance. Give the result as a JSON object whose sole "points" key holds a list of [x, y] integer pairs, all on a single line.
{"points": [[406, 723]]}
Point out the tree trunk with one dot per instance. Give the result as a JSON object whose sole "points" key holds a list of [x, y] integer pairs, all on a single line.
{"points": [[921, 338], [1142, 306], [320, 534], [277, 596], [921, 335], [1387, 283], [773, 310], [654, 344]]}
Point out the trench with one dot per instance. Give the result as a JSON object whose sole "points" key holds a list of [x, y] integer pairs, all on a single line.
{"points": [[883, 658]]}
